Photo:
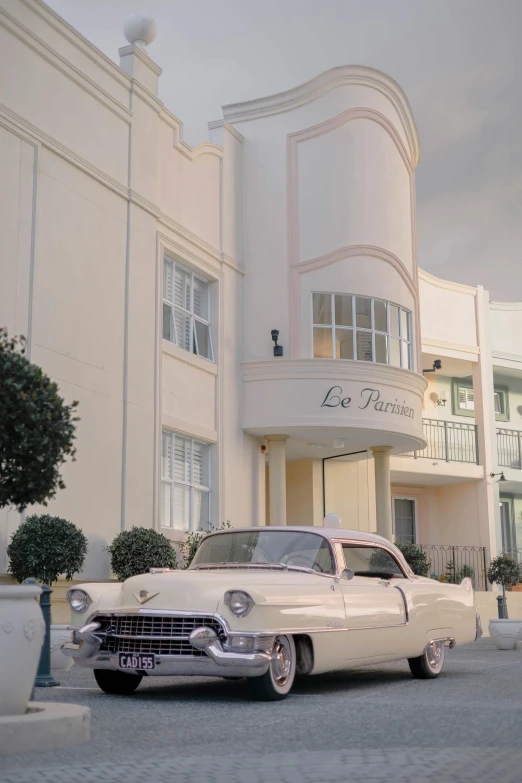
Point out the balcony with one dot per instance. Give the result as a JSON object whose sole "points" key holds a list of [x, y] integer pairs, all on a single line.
{"points": [[453, 563], [449, 441], [509, 448]]}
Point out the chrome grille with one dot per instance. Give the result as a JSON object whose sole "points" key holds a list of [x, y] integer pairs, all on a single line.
{"points": [[161, 635]]}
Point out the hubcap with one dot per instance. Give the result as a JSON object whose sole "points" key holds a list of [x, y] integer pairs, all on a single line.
{"points": [[434, 653], [281, 661]]}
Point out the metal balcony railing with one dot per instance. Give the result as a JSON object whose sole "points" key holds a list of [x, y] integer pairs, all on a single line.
{"points": [[449, 441], [509, 448], [452, 563]]}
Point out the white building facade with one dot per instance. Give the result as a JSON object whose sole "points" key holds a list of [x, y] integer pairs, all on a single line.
{"points": [[150, 279]]}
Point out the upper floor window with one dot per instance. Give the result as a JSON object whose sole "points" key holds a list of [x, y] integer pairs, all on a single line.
{"points": [[464, 399], [357, 327], [186, 310], [185, 482]]}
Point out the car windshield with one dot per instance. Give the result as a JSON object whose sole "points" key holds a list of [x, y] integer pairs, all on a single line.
{"points": [[266, 548]]}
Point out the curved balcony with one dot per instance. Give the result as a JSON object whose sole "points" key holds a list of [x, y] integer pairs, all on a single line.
{"points": [[363, 403]]}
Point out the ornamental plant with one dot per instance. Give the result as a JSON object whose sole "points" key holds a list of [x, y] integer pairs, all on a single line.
{"points": [[416, 558], [190, 546], [43, 547], [36, 429], [139, 549], [504, 570]]}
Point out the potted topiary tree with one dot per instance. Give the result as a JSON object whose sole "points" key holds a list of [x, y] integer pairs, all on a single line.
{"points": [[139, 549], [505, 571], [45, 547], [416, 558], [36, 437]]}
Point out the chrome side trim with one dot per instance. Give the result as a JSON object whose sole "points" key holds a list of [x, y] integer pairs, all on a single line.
{"points": [[405, 602]]}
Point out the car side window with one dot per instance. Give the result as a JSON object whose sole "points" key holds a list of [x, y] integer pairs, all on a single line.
{"points": [[370, 561]]}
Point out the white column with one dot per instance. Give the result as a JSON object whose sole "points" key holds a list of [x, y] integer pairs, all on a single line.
{"points": [[383, 507], [277, 478]]}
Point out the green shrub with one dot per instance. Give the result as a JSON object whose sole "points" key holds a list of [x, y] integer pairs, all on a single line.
{"points": [[43, 547], [190, 546], [138, 550], [36, 429], [416, 558]]}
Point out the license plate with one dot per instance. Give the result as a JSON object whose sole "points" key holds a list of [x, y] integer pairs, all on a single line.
{"points": [[137, 661]]}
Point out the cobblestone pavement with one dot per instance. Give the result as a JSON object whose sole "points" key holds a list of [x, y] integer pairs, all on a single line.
{"points": [[373, 724]]}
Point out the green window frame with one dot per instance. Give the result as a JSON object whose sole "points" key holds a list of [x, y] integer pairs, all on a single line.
{"points": [[463, 399]]}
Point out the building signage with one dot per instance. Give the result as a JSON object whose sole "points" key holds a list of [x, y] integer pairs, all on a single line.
{"points": [[369, 397]]}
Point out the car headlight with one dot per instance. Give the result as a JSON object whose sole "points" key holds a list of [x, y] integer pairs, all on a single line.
{"points": [[78, 600], [238, 602]]}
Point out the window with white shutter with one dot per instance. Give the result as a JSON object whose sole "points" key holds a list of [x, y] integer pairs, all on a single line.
{"points": [[185, 482], [359, 327], [186, 310]]}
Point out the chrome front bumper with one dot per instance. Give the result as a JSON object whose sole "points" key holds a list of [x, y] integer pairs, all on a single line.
{"points": [[217, 662]]}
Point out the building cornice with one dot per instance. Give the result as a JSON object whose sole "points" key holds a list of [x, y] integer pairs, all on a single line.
{"points": [[506, 306], [191, 153], [343, 75], [448, 285], [230, 128], [457, 350], [507, 357], [65, 67], [142, 55]]}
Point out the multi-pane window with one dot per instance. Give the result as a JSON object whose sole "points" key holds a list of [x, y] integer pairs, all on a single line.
{"points": [[357, 327], [186, 310], [404, 519], [185, 482], [464, 399]]}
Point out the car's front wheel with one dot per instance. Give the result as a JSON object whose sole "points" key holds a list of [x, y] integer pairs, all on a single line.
{"points": [[117, 683], [277, 682], [430, 663]]}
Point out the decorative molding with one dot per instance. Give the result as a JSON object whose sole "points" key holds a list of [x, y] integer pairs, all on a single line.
{"points": [[142, 55], [507, 357], [340, 369], [233, 264], [296, 265], [210, 266], [145, 95], [230, 128], [506, 306], [187, 235], [448, 285], [205, 148], [429, 342], [174, 351], [189, 428], [71, 35], [65, 67], [336, 77]]}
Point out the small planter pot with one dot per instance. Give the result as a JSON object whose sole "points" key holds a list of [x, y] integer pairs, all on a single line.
{"points": [[60, 635], [505, 633], [22, 632]]}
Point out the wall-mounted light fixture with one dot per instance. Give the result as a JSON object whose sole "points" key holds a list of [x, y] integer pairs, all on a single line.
{"points": [[502, 477], [278, 349], [442, 398], [437, 365]]}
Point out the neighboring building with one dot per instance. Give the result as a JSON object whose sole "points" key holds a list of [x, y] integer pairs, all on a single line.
{"points": [[148, 277]]}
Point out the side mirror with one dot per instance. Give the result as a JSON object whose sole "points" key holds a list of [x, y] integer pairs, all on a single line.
{"points": [[347, 574]]}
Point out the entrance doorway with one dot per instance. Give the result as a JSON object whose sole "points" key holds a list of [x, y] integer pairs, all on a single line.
{"points": [[405, 520], [509, 537], [346, 489]]}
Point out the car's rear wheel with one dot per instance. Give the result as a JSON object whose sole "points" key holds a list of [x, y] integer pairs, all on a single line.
{"points": [[277, 682], [117, 683], [430, 663]]}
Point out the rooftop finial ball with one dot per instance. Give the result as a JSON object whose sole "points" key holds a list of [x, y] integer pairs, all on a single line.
{"points": [[140, 29]]}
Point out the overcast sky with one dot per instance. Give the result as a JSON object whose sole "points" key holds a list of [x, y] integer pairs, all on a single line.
{"points": [[459, 62]]}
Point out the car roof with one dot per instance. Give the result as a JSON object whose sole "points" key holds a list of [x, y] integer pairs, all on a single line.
{"points": [[333, 533]]}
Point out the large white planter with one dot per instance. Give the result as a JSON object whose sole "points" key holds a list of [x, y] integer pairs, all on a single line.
{"points": [[505, 633], [22, 632], [60, 635]]}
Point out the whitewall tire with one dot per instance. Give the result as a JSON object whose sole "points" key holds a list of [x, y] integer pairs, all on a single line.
{"points": [[277, 682]]}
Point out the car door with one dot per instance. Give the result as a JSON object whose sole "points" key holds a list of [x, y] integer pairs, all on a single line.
{"points": [[376, 615]]}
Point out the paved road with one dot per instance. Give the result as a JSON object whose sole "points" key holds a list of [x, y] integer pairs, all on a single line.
{"points": [[373, 724]]}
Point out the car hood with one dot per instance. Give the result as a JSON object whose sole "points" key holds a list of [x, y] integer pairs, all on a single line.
{"points": [[203, 590]]}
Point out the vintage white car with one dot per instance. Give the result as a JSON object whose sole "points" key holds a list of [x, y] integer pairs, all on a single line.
{"points": [[268, 604]]}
